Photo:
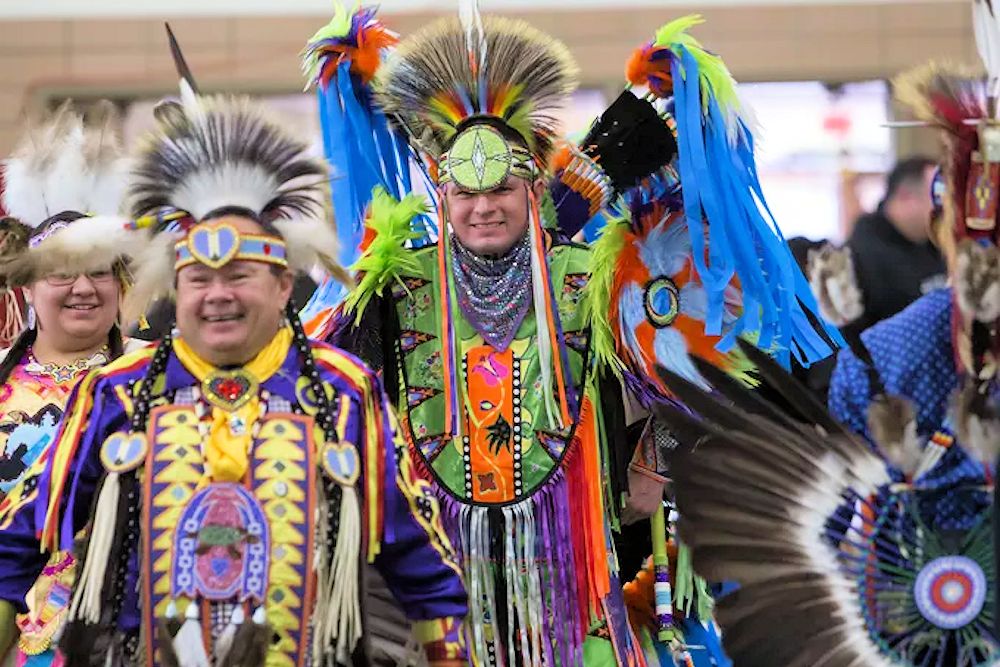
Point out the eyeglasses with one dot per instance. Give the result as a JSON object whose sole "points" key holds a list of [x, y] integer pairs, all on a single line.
{"points": [[67, 279]]}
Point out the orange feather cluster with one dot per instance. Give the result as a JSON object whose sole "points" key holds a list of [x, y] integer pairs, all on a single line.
{"points": [[560, 158], [366, 57], [649, 65], [364, 54], [631, 269]]}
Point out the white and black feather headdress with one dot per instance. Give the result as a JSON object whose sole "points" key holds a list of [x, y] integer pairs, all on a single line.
{"points": [[218, 152], [64, 187], [225, 153]]}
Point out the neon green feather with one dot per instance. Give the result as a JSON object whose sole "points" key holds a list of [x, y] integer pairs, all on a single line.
{"points": [[597, 294], [386, 258], [714, 75], [690, 590], [676, 31], [338, 26], [741, 368]]}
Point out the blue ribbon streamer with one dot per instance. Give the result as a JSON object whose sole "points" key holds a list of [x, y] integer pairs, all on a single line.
{"points": [[720, 187]]}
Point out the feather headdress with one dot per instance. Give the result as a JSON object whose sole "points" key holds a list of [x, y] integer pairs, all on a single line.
{"points": [[963, 105], [723, 202], [64, 185], [459, 71], [215, 153]]}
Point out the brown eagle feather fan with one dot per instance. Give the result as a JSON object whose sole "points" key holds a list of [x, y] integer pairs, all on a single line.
{"points": [[786, 503]]}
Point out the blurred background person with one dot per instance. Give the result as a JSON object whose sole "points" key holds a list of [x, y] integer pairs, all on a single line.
{"points": [[895, 262]]}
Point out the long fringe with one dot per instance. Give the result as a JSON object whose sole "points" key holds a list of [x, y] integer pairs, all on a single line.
{"points": [[449, 349], [339, 611], [539, 575], [554, 560], [86, 603]]}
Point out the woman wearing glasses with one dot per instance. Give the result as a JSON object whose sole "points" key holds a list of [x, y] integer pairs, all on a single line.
{"points": [[64, 185]]}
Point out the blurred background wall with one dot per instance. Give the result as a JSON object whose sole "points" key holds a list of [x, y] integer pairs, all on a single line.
{"points": [[817, 71]]}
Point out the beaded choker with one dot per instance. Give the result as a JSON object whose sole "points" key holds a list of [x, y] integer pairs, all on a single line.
{"points": [[494, 294], [66, 372]]}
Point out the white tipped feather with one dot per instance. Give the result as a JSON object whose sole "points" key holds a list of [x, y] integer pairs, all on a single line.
{"points": [[225, 184], [787, 509], [23, 196], [188, 97], [66, 184], [225, 151], [312, 242], [152, 274], [977, 420], [44, 175], [986, 25], [61, 165], [833, 281], [108, 187], [892, 422], [977, 281]]}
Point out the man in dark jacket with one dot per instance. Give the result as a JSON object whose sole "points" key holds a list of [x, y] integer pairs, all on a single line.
{"points": [[894, 259]]}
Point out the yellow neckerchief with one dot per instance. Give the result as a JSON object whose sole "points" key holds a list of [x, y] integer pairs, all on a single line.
{"points": [[225, 452]]}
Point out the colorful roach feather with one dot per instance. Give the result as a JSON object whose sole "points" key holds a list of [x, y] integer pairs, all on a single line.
{"points": [[652, 63], [358, 38], [513, 72]]}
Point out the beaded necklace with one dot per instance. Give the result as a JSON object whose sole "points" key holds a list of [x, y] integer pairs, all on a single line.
{"points": [[494, 293], [63, 373]]}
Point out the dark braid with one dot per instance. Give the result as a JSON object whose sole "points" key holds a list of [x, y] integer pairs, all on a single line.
{"points": [[116, 345], [324, 407], [16, 353], [157, 366], [130, 504], [324, 417]]}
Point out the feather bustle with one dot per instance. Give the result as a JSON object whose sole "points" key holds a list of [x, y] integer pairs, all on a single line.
{"points": [[754, 496]]}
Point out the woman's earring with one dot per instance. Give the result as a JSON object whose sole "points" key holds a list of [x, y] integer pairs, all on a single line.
{"points": [[31, 316]]}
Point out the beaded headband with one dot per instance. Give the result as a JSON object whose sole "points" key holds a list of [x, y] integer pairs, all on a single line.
{"points": [[217, 245]]}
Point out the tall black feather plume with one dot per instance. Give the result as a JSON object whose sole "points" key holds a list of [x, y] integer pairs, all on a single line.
{"points": [[179, 62]]}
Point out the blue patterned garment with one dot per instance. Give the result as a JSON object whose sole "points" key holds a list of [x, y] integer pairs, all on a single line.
{"points": [[913, 355]]}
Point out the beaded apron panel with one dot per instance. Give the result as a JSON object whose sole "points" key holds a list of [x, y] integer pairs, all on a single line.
{"points": [[228, 544], [507, 453]]}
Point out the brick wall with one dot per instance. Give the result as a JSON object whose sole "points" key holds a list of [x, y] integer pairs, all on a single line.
{"points": [[123, 58]]}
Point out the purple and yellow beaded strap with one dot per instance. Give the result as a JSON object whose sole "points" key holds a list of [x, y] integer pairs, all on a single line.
{"points": [[217, 245]]}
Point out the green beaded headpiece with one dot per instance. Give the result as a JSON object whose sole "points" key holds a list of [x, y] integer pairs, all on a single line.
{"points": [[481, 159], [478, 101]]}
